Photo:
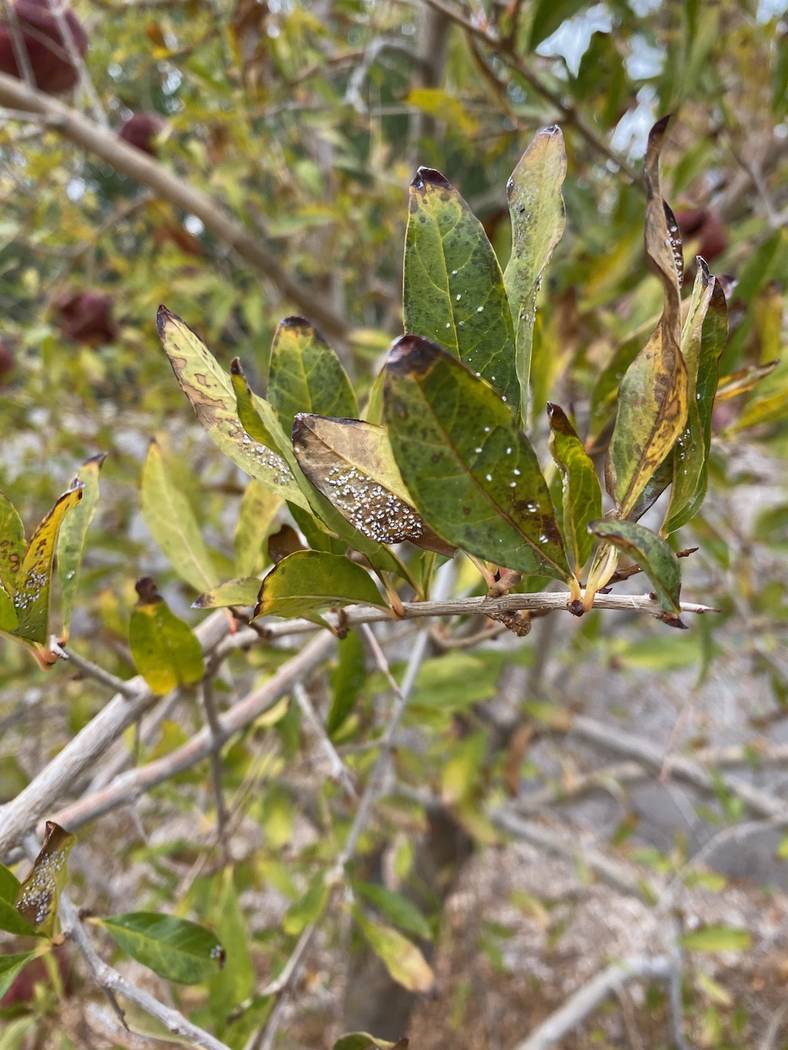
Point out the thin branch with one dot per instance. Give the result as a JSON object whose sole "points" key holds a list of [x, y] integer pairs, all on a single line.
{"points": [[141, 167], [90, 670], [217, 739], [339, 770], [18, 44], [78, 62], [582, 1003]]}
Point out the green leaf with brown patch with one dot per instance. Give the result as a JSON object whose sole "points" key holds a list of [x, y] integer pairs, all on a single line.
{"points": [[471, 471], [210, 392], [71, 539], [453, 287], [309, 582], [166, 651], [538, 219], [351, 463], [34, 580], [38, 895], [652, 405], [305, 375], [171, 521], [655, 558], [582, 493]]}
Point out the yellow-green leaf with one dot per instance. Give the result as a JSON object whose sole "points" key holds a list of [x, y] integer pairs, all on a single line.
{"points": [[71, 541], [256, 518], [170, 518], [351, 463], [582, 493], [453, 291], [33, 584], [652, 406], [166, 651], [210, 391], [241, 591], [8, 617], [309, 582], [305, 375], [11, 966], [403, 960], [655, 558], [538, 219], [38, 895], [717, 939]]}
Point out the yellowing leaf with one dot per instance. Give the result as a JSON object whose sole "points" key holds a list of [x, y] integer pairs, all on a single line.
{"points": [[172, 524], [38, 895], [403, 960], [31, 597], [241, 591], [166, 651], [538, 220], [652, 406], [717, 939], [12, 543]]}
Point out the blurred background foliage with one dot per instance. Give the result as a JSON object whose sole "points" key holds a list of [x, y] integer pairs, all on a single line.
{"points": [[307, 121]]}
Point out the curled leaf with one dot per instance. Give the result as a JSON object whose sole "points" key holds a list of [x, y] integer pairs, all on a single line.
{"points": [[655, 558], [38, 895], [652, 406]]}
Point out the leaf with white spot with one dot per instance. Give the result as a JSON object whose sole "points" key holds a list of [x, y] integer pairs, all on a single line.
{"points": [[351, 463], [38, 895], [453, 292], [34, 580]]}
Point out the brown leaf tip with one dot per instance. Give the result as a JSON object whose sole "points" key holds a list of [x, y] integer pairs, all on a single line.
{"points": [[559, 420], [294, 322], [147, 591], [425, 177], [550, 130], [236, 368], [412, 354], [163, 315]]}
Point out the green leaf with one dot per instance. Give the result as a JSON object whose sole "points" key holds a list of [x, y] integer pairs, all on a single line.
{"points": [[71, 541], [582, 494], [305, 375], [655, 558], [9, 884], [8, 618], [37, 897], [403, 960], [364, 1041], [33, 585], [11, 966], [538, 220], [396, 908], [461, 768], [12, 922], [12, 544], [652, 406], [174, 948], [347, 678], [236, 979], [351, 463], [241, 591], [453, 287], [256, 518], [717, 939], [307, 909], [472, 473], [548, 15], [210, 391], [166, 651], [171, 521], [689, 455], [309, 582]]}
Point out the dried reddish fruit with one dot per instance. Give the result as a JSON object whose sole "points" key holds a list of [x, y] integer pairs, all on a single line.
{"points": [[47, 48]]}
